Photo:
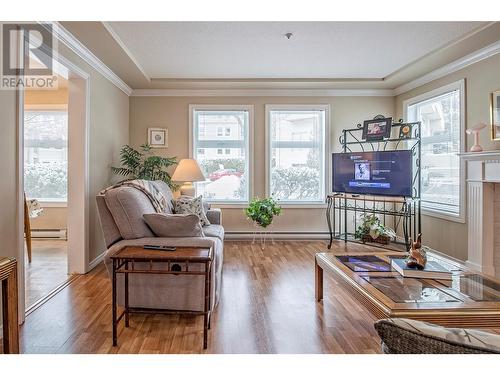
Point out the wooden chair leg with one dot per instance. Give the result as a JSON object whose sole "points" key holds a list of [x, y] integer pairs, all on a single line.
{"points": [[27, 228]]}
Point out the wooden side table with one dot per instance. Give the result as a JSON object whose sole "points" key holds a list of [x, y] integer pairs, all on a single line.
{"points": [[125, 260], [8, 277]]}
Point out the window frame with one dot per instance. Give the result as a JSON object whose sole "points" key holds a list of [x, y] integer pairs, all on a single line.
{"points": [[50, 202], [249, 146], [327, 159], [454, 86]]}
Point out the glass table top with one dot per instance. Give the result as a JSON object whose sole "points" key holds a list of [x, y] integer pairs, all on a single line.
{"points": [[463, 286], [404, 289]]}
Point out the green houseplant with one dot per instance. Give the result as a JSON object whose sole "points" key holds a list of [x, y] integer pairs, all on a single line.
{"points": [[371, 229], [142, 164], [262, 211]]}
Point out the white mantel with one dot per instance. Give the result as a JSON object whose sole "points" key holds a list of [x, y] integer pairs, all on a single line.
{"points": [[483, 195]]}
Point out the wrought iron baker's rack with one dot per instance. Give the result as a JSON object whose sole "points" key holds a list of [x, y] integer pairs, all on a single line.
{"points": [[402, 210]]}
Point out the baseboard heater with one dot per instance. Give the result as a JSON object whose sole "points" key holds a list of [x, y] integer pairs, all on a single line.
{"points": [[49, 233]]}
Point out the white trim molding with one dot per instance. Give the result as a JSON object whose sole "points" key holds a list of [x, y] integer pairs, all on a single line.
{"points": [[93, 264], [452, 67], [297, 236], [263, 92], [124, 47], [84, 53]]}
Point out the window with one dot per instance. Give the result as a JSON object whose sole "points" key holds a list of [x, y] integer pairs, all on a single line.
{"points": [[297, 146], [201, 151], [46, 155], [226, 160], [441, 115]]}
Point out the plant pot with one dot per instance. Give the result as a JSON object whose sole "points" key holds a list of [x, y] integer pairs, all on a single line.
{"points": [[382, 239]]}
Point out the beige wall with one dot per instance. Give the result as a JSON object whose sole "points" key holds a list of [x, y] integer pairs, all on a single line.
{"points": [[480, 79], [173, 113]]}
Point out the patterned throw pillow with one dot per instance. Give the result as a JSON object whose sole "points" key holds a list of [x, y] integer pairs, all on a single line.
{"points": [[189, 205]]}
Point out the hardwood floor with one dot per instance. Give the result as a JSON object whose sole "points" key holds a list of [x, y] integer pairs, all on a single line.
{"points": [[47, 270], [267, 306]]}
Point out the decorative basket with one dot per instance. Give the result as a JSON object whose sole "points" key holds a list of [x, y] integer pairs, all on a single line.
{"points": [[383, 239]]}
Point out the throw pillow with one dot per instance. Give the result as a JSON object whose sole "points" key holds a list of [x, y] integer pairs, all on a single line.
{"points": [[166, 225], [190, 205]]}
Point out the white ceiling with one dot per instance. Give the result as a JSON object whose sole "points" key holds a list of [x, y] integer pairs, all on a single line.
{"points": [[255, 50]]}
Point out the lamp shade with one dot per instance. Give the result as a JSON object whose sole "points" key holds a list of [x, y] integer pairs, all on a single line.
{"points": [[188, 170]]}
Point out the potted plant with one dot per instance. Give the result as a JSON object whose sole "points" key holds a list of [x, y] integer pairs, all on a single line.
{"points": [[142, 164], [262, 211], [372, 230]]}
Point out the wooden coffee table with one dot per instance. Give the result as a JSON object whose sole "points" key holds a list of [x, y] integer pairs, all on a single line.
{"points": [[471, 299], [177, 262]]}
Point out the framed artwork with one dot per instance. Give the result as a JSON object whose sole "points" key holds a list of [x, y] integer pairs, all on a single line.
{"points": [[495, 115], [158, 137], [378, 129]]}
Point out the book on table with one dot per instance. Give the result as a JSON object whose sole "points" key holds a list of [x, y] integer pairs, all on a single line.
{"points": [[432, 270]]}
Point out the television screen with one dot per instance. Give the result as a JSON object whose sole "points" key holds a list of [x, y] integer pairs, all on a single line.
{"points": [[376, 173]]}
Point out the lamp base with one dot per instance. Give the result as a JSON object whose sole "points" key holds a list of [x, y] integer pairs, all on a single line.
{"points": [[187, 188]]}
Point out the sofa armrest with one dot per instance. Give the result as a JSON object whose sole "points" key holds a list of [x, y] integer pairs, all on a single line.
{"points": [[214, 215]]}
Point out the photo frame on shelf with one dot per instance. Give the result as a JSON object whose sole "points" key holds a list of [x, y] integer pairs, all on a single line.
{"points": [[495, 115], [158, 137], [405, 131], [377, 129]]}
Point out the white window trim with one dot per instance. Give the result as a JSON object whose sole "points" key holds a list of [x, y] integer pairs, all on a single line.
{"points": [[250, 143], [327, 159], [458, 85]]}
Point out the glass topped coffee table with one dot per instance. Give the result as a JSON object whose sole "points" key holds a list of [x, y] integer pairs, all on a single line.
{"points": [[470, 299]]}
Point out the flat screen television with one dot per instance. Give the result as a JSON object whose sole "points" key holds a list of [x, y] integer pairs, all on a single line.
{"points": [[386, 173]]}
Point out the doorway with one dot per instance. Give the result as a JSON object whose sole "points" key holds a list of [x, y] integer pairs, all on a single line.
{"points": [[46, 190], [53, 170]]}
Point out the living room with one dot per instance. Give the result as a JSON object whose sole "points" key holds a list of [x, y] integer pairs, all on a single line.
{"points": [[310, 193]]}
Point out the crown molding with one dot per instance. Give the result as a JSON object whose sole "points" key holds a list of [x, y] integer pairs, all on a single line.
{"points": [[263, 92], [452, 67], [124, 47], [64, 36]]}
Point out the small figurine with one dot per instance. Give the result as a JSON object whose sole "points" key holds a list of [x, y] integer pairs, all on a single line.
{"points": [[417, 257]]}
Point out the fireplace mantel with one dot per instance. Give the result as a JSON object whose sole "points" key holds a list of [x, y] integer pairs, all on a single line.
{"points": [[483, 200]]}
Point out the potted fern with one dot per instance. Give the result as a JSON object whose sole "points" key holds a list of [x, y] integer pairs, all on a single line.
{"points": [[144, 165]]}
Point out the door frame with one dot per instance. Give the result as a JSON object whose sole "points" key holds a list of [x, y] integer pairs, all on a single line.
{"points": [[78, 188]]}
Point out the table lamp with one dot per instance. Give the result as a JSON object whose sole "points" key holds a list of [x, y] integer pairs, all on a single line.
{"points": [[188, 171]]}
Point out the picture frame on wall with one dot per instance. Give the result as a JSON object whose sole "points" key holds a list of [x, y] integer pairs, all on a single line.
{"points": [[495, 115], [377, 129], [158, 137]]}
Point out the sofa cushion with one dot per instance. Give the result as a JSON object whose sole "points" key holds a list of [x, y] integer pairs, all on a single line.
{"points": [[406, 336], [127, 206], [190, 205], [214, 230], [164, 225]]}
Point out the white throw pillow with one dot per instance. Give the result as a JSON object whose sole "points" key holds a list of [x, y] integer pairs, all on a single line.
{"points": [[190, 205]]}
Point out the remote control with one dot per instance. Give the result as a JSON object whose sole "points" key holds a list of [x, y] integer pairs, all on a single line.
{"points": [[159, 247]]}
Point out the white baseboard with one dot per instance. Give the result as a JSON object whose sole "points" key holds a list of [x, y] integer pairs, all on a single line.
{"points": [[96, 261], [297, 236]]}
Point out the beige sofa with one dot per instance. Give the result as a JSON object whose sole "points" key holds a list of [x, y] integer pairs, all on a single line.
{"points": [[121, 213]]}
